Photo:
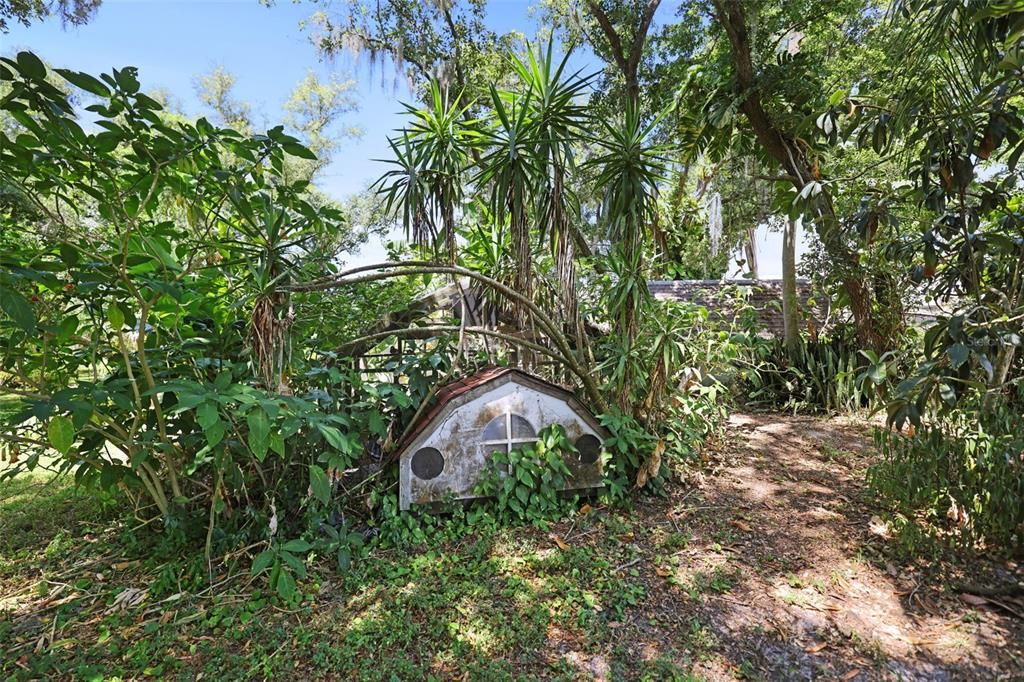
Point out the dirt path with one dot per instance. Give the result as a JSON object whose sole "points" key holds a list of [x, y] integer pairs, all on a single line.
{"points": [[771, 564], [787, 570]]}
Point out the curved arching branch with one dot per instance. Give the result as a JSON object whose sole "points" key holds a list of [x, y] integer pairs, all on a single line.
{"points": [[392, 269], [423, 332], [423, 267]]}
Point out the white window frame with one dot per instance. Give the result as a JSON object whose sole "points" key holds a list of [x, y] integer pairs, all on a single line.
{"points": [[508, 442]]}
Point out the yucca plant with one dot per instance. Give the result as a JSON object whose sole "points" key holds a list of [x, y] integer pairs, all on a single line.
{"points": [[558, 127], [628, 171], [429, 182], [510, 170]]}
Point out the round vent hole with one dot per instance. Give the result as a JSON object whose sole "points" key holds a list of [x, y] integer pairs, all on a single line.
{"points": [[427, 463], [589, 448]]}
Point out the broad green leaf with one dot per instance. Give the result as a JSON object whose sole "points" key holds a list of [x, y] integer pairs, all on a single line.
{"points": [[262, 562], [285, 585], [187, 401], [958, 354], [207, 415], [878, 373], [344, 559], [318, 484], [335, 438], [68, 326], [61, 433], [115, 316], [215, 433], [298, 545], [376, 424], [223, 380], [299, 151], [127, 78], [31, 66], [69, 255], [259, 432], [294, 563], [277, 443], [85, 82], [18, 308]]}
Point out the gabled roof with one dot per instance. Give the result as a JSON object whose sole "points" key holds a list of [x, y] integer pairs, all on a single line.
{"points": [[449, 392]]}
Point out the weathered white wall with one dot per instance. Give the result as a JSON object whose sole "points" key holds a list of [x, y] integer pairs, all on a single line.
{"points": [[457, 435]]}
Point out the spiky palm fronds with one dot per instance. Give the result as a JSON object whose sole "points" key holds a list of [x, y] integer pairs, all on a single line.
{"points": [[558, 119], [629, 171], [431, 156], [511, 171]]}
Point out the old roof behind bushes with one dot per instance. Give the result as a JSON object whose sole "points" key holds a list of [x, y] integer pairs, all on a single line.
{"points": [[725, 299]]}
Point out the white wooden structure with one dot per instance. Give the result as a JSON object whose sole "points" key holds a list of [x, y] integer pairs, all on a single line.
{"points": [[497, 409]]}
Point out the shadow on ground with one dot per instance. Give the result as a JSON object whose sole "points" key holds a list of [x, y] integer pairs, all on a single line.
{"points": [[769, 565], [794, 576]]}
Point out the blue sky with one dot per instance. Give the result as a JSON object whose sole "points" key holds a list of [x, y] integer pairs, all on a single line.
{"points": [[173, 41]]}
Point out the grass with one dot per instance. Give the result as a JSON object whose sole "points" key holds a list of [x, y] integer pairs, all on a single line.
{"points": [[40, 519], [507, 604]]}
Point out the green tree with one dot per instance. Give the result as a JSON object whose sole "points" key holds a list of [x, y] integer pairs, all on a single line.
{"points": [[130, 324], [782, 142], [313, 110], [617, 30], [215, 90], [630, 167], [433, 40], [958, 96], [70, 12]]}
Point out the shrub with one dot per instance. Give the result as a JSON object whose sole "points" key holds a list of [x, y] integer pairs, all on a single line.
{"points": [[824, 376], [962, 477], [527, 482]]}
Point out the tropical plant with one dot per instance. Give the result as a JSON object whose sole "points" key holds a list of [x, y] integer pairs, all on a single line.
{"points": [[431, 157], [527, 482], [629, 169], [144, 333], [959, 109], [509, 172], [959, 479], [558, 123]]}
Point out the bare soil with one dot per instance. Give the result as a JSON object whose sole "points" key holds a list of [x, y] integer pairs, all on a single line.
{"points": [[773, 562], [787, 572]]}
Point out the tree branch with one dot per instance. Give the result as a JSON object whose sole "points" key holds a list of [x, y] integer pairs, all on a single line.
{"points": [[614, 42], [641, 34], [397, 269], [434, 330], [629, 64]]}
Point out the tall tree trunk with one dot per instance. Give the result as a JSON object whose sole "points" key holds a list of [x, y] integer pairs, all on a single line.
{"points": [[790, 300], [627, 57], [786, 150], [750, 246]]}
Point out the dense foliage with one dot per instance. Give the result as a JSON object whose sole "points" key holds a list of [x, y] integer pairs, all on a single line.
{"points": [[177, 325]]}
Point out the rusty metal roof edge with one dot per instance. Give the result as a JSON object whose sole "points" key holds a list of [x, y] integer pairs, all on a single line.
{"points": [[502, 375]]}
